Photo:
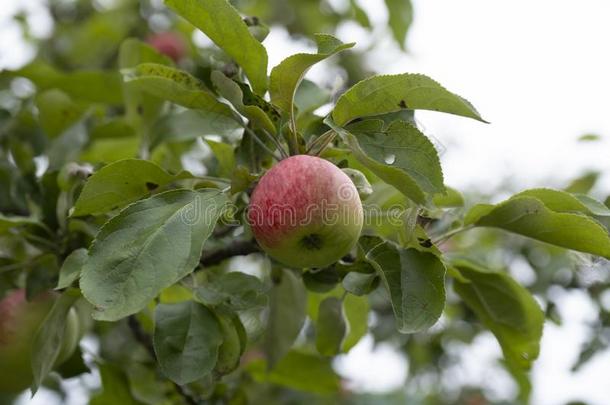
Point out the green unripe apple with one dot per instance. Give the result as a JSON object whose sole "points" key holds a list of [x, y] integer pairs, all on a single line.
{"points": [[19, 321], [306, 212]]}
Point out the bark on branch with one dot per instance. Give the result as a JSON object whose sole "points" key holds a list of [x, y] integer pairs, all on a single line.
{"points": [[240, 248]]}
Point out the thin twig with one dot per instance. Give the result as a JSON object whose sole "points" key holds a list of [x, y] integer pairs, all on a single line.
{"points": [[144, 339]]}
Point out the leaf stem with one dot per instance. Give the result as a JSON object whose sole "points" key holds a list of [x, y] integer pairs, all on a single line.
{"points": [[293, 139], [277, 144], [447, 235], [316, 141], [212, 178], [262, 144], [48, 243], [330, 137]]}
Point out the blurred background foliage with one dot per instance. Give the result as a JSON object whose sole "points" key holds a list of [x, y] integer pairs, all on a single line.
{"points": [[92, 128]]}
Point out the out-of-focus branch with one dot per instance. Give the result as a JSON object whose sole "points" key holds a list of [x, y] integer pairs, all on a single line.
{"points": [[240, 248]]}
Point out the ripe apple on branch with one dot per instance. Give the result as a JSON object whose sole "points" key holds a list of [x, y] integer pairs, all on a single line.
{"points": [[305, 212]]}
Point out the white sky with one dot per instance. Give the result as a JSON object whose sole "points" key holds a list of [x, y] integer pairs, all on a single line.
{"points": [[538, 70]]}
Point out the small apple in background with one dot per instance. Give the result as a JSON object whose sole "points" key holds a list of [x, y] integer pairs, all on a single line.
{"points": [[305, 212], [19, 321], [169, 44]]}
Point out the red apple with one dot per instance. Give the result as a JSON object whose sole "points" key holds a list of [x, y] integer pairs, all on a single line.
{"points": [[305, 212], [169, 44], [19, 321]]}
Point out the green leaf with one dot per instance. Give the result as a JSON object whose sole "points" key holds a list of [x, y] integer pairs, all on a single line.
{"points": [[452, 199], [286, 77], [234, 93], [331, 326], [593, 206], [561, 201], [142, 108], [223, 25], [583, 184], [113, 128], [87, 85], [176, 86], [366, 243], [589, 138], [257, 28], [41, 275], [360, 283], [134, 52], [104, 151], [57, 111], [234, 290], [359, 14], [186, 340], [360, 181], [234, 341], [93, 39], [400, 14], [241, 179], [528, 216], [225, 157], [388, 93], [73, 366], [118, 184], [357, 313], [175, 293], [322, 280], [415, 282], [506, 308], [71, 268], [15, 222], [300, 371], [400, 155], [149, 246], [115, 387], [309, 96], [287, 312], [145, 384], [49, 338], [192, 124]]}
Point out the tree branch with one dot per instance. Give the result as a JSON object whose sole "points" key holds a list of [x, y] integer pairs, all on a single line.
{"points": [[240, 248]]}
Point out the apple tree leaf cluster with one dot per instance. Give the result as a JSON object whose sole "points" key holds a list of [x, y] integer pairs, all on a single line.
{"points": [[127, 172]]}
